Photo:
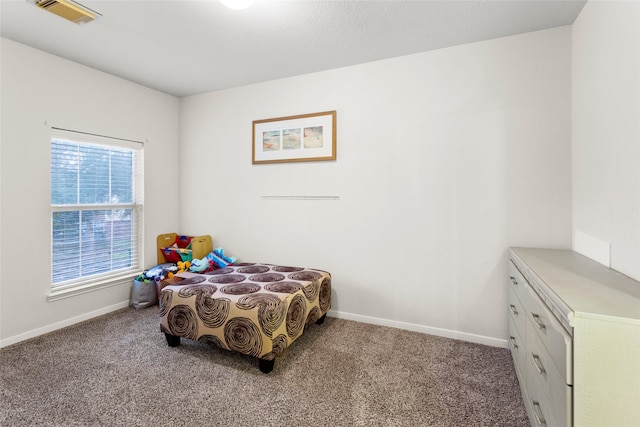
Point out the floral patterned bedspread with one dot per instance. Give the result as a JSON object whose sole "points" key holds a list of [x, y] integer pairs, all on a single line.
{"points": [[254, 309]]}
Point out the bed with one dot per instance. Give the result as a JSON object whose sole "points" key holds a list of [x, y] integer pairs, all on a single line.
{"points": [[251, 308]]}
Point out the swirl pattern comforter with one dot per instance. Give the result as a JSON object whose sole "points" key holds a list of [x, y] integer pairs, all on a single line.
{"points": [[254, 309]]}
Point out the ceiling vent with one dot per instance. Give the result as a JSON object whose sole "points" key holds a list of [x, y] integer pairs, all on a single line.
{"points": [[68, 9]]}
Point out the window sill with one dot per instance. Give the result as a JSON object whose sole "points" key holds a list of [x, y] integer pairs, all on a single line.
{"points": [[58, 294]]}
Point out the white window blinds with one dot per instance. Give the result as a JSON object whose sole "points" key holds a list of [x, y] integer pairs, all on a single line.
{"points": [[96, 208]]}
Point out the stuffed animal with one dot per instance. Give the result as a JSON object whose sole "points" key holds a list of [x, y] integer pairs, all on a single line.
{"points": [[214, 260], [199, 265], [183, 266], [228, 259], [219, 259]]}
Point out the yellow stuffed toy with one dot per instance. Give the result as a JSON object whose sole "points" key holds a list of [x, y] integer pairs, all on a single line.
{"points": [[183, 266]]}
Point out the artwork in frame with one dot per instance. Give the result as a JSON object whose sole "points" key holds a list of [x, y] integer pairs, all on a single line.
{"points": [[302, 138]]}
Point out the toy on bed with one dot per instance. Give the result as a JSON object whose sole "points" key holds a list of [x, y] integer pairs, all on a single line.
{"points": [[200, 265], [214, 260], [183, 266], [254, 309]]}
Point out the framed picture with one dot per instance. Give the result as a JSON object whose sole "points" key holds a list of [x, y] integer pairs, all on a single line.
{"points": [[303, 138]]}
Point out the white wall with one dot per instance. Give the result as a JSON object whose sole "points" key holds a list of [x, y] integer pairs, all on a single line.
{"points": [[445, 159], [606, 129], [38, 88]]}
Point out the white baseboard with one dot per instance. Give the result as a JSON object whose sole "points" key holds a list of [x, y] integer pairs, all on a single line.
{"points": [[62, 324], [478, 339]]}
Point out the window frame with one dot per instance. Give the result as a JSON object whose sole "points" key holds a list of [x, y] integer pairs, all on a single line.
{"points": [[114, 277]]}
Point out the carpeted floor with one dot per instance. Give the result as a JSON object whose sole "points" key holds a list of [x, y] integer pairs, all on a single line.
{"points": [[117, 370]]}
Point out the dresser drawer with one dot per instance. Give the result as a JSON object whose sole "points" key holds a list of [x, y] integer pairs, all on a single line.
{"points": [[552, 335], [538, 407], [517, 346], [543, 376], [517, 312], [517, 282]]}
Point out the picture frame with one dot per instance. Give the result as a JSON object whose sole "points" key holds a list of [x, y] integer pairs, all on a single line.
{"points": [[301, 138]]}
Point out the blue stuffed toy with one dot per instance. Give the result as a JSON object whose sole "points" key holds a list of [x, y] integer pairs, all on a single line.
{"points": [[214, 260], [221, 259], [199, 265]]}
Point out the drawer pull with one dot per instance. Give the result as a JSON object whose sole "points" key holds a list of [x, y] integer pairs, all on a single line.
{"points": [[537, 413], [538, 364], [538, 320], [513, 280], [513, 309], [514, 345]]}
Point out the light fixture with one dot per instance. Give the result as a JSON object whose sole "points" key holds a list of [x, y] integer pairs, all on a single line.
{"points": [[237, 4], [68, 9]]}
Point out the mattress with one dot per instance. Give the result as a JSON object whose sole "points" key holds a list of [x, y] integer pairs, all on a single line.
{"points": [[254, 309]]}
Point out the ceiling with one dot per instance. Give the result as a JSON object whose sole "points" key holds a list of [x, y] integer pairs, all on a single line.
{"points": [[185, 47]]}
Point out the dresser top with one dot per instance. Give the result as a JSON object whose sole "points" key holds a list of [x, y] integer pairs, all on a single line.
{"points": [[584, 285]]}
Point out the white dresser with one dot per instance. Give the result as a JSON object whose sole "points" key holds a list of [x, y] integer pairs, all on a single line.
{"points": [[574, 334]]}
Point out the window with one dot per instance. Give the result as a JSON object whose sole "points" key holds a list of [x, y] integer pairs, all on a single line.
{"points": [[96, 209]]}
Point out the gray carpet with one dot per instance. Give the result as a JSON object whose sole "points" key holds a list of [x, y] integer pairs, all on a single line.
{"points": [[117, 370]]}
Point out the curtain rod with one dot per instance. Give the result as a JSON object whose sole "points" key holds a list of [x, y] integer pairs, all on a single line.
{"points": [[301, 197], [96, 134]]}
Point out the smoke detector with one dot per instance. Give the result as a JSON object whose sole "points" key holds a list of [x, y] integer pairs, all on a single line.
{"points": [[68, 9]]}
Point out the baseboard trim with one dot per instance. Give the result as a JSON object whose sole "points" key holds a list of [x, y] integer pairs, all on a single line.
{"points": [[446, 333], [62, 324]]}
